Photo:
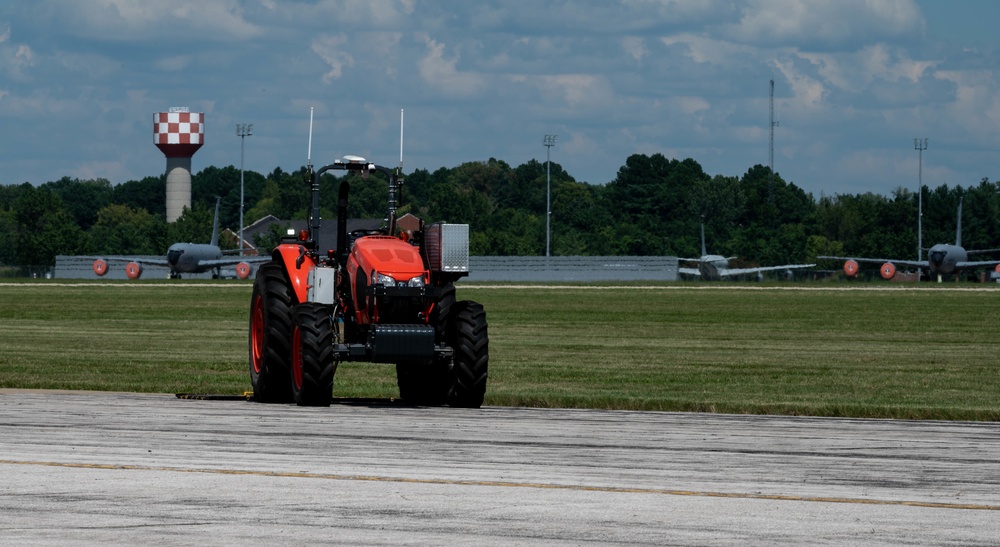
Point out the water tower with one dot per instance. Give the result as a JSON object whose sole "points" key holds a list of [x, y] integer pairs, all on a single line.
{"points": [[178, 134]]}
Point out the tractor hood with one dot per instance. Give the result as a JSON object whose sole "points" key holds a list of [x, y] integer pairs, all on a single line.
{"points": [[389, 256]]}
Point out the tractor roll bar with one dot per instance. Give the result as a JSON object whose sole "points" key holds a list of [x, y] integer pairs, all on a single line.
{"points": [[349, 163]]}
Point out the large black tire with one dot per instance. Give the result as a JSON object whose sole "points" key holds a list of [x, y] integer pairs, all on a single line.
{"points": [[441, 312], [313, 360], [469, 338], [271, 335]]}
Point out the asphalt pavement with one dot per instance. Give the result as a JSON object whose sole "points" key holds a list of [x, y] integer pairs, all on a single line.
{"points": [[85, 468]]}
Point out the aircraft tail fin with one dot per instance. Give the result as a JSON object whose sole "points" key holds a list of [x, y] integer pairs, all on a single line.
{"points": [[704, 251], [958, 226], [215, 223]]}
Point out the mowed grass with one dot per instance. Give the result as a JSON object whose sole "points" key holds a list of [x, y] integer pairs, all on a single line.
{"points": [[880, 351]]}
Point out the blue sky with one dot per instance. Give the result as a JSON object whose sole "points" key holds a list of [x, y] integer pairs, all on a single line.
{"points": [[855, 82]]}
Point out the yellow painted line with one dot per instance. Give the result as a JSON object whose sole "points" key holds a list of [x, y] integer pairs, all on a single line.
{"points": [[693, 286], [715, 287], [511, 484]]}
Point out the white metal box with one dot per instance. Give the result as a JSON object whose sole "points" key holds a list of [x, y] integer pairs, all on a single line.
{"points": [[321, 284], [447, 247]]}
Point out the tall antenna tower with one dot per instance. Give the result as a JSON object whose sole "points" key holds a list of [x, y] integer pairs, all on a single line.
{"points": [[770, 151]]}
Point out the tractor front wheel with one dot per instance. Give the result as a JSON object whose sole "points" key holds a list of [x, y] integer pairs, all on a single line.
{"points": [[313, 360], [270, 335]]}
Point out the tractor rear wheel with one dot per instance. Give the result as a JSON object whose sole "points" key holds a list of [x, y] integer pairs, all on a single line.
{"points": [[313, 360], [468, 337], [270, 335], [442, 310]]}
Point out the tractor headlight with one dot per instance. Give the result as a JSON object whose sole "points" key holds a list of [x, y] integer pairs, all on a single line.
{"points": [[382, 279], [390, 281]]}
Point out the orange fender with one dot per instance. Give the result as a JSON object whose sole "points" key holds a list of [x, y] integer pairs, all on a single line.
{"points": [[298, 272], [242, 270], [888, 270], [100, 267], [850, 268]]}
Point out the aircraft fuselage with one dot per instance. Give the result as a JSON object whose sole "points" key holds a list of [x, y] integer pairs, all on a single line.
{"points": [[187, 257], [943, 258], [709, 266]]}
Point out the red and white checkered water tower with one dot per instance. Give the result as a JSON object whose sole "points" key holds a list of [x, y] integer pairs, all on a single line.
{"points": [[178, 134]]}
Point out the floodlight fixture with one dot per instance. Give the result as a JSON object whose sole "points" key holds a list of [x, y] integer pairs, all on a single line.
{"points": [[243, 130], [920, 145]]}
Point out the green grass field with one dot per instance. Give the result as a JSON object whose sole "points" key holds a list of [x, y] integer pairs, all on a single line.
{"points": [[878, 351]]}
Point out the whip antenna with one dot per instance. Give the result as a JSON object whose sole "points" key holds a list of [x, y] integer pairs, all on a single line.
{"points": [[401, 141], [309, 151]]}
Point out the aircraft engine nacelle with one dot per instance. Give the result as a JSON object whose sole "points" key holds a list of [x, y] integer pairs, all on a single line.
{"points": [[888, 270], [133, 270], [100, 267], [850, 268], [243, 270]]}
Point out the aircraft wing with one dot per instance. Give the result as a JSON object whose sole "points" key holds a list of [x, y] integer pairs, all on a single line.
{"points": [[911, 263], [142, 259], [688, 271], [232, 261], [977, 264], [745, 271]]}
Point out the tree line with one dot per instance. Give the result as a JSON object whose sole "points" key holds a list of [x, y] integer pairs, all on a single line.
{"points": [[653, 207]]}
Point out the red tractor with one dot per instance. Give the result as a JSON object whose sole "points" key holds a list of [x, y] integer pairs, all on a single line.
{"points": [[378, 296]]}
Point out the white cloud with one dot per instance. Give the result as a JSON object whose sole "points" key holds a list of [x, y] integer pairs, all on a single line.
{"points": [[975, 109], [123, 20], [856, 71], [635, 46], [442, 74], [175, 63], [15, 59], [702, 49], [370, 15], [808, 23], [330, 49], [807, 92], [691, 105]]}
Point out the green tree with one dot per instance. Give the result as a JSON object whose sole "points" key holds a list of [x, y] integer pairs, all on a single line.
{"points": [[193, 226], [44, 228], [123, 230], [83, 198], [149, 194], [8, 238]]}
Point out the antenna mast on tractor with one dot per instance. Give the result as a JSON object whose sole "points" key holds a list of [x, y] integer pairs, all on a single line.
{"points": [[396, 182], [309, 150]]}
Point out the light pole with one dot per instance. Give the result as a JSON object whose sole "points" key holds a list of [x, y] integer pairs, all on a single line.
{"points": [[243, 131], [920, 145], [548, 142]]}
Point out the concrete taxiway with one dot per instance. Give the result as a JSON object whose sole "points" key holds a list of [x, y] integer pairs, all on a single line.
{"points": [[90, 468]]}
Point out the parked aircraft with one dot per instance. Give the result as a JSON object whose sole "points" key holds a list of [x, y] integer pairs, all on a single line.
{"points": [[716, 267], [185, 258], [942, 259]]}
